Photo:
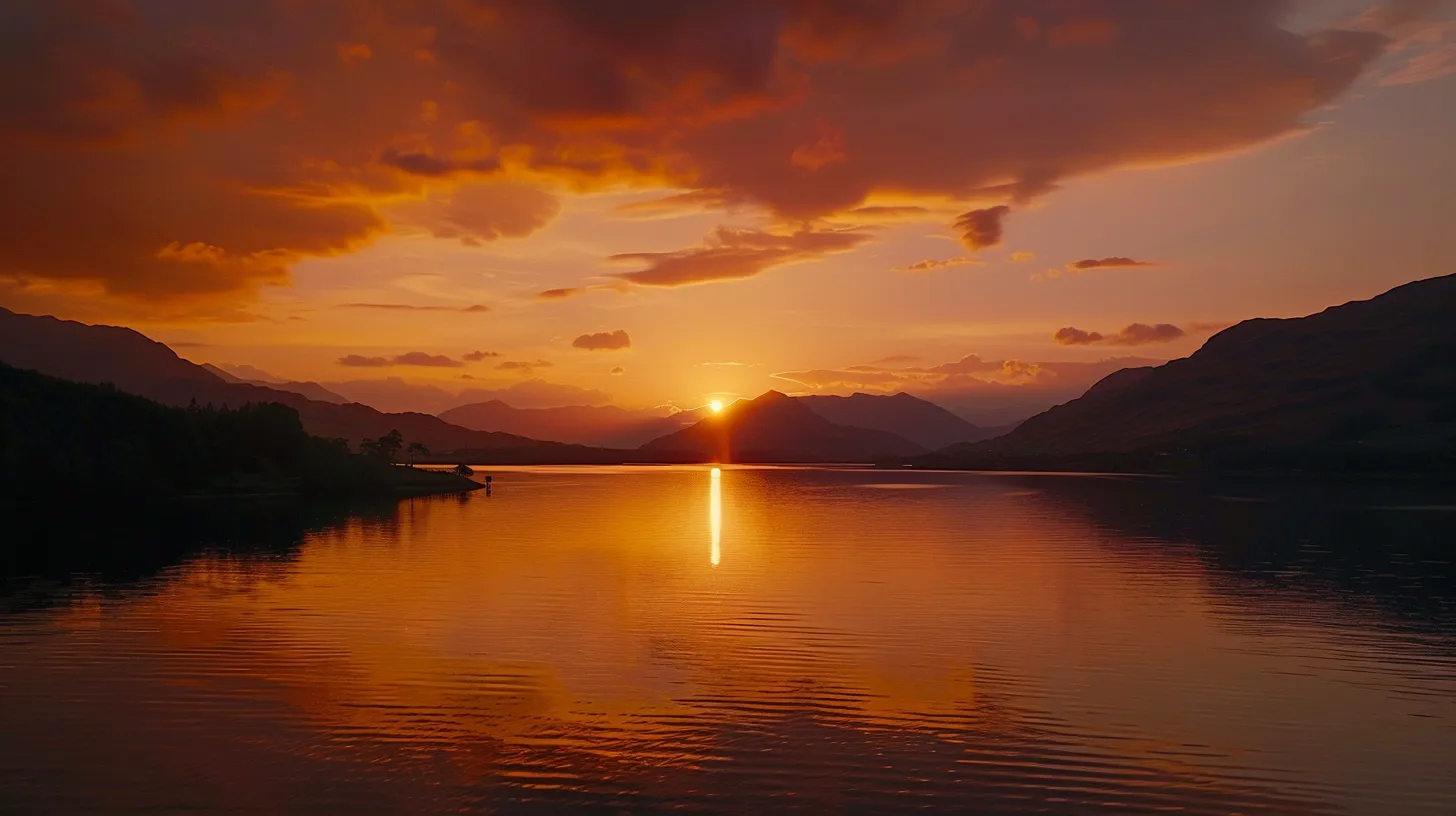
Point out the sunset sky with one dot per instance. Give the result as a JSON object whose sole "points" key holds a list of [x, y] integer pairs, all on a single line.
{"points": [[652, 201]]}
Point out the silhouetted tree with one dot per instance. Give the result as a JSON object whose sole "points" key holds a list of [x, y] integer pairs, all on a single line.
{"points": [[417, 449], [386, 447]]}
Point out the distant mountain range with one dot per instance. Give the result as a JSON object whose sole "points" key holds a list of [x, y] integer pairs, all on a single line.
{"points": [[1366, 385], [606, 426], [774, 428], [312, 390], [138, 365], [924, 423]]}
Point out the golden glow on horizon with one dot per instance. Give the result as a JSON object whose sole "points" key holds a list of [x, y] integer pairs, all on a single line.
{"points": [[716, 406], [715, 513]]}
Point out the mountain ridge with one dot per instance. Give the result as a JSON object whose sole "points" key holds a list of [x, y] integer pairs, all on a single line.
{"points": [[1367, 384], [136, 364], [774, 428]]}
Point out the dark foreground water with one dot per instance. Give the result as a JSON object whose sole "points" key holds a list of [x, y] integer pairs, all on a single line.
{"points": [[634, 641]]}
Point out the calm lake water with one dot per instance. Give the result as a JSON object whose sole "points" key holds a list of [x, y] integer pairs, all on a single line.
{"points": [[755, 640]]}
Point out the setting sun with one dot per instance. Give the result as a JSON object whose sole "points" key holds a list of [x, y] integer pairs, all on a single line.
{"points": [[716, 406]]}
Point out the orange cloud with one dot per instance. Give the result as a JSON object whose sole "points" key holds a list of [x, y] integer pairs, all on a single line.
{"points": [[729, 254], [1133, 334], [132, 128], [523, 366], [405, 307], [828, 148], [411, 358], [559, 294], [603, 341], [477, 356], [980, 229], [931, 263], [1116, 262], [478, 213]]}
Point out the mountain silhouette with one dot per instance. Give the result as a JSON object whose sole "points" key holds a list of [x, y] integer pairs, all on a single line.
{"points": [[605, 426], [774, 428], [920, 421], [138, 365], [309, 389], [1367, 384]]}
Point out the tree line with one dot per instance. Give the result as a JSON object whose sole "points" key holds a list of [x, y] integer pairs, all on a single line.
{"points": [[58, 435]]}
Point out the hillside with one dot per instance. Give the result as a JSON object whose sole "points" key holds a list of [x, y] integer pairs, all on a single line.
{"points": [[309, 389], [138, 365], [1366, 385], [606, 426], [920, 421], [60, 435], [774, 428]]}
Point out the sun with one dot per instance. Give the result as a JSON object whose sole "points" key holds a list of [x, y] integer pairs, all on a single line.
{"points": [[716, 406]]}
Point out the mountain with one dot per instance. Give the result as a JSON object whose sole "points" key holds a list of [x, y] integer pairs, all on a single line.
{"points": [[309, 389], [394, 394], [774, 428], [1366, 385], [924, 423], [138, 365], [600, 425], [68, 436]]}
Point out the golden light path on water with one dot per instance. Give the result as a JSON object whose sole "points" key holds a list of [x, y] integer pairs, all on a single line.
{"points": [[715, 515]]}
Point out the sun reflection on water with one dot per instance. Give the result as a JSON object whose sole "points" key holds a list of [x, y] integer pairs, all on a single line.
{"points": [[715, 514]]}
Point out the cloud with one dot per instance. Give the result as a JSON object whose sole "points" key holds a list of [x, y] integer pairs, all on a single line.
{"points": [[603, 341], [931, 263], [1115, 262], [1022, 257], [1070, 336], [618, 371], [479, 213], [185, 153], [420, 358], [729, 254], [613, 285], [360, 361], [405, 307], [426, 164], [525, 366], [477, 356], [410, 358], [980, 229], [1133, 334], [1424, 40]]}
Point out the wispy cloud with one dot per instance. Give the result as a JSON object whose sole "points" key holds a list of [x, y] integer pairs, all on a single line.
{"points": [[731, 254], [1115, 262], [981, 229], [932, 263], [1133, 334], [603, 341], [407, 307], [409, 358]]}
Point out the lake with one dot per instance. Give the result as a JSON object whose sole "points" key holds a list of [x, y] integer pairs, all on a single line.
{"points": [[638, 640]]}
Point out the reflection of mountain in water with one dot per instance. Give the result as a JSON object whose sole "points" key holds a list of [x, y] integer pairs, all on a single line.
{"points": [[121, 543], [1365, 549]]}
